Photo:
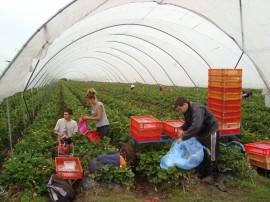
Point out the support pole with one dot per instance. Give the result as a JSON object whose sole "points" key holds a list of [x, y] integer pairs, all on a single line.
{"points": [[9, 129], [23, 113], [33, 112]]}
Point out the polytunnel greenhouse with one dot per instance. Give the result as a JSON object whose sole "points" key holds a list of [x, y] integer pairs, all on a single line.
{"points": [[109, 45]]}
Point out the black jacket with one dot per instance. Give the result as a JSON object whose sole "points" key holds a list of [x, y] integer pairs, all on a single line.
{"points": [[199, 122]]}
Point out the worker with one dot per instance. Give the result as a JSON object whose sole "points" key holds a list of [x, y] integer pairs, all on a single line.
{"points": [[201, 124], [132, 87], [98, 114], [66, 127]]}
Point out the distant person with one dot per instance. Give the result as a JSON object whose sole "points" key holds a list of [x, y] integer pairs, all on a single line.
{"points": [[98, 114], [66, 127], [132, 87], [160, 87], [201, 124], [246, 94]]}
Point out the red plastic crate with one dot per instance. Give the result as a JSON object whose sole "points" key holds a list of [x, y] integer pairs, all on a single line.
{"points": [[225, 90], [225, 96], [224, 114], [228, 120], [171, 127], [224, 108], [258, 148], [142, 135], [68, 174], [224, 103], [230, 131], [145, 122], [173, 135]]}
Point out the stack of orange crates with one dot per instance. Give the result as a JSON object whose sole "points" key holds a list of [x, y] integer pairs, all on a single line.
{"points": [[145, 128], [225, 99]]}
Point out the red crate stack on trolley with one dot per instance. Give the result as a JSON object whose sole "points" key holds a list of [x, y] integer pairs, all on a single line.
{"points": [[225, 99], [145, 128]]}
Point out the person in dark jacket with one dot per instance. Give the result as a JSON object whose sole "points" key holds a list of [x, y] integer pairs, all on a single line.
{"points": [[201, 124]]}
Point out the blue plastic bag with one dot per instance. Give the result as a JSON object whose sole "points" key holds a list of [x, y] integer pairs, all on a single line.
{"points": [[185, 155]]}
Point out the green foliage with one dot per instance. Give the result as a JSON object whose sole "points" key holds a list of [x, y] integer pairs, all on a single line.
{"points": [[149, 166], [25, 171], [231, 159], [108, 175]]}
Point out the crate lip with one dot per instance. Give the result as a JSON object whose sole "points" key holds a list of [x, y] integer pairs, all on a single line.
{"points": [[146, 116], [170, 121], [264, 151]]}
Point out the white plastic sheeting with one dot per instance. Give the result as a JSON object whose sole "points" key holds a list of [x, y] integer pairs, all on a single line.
{"points": [[171, 42]]}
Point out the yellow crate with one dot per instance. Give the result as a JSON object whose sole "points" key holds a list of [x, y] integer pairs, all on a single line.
{"points": [[225, 72], [226, 84]]}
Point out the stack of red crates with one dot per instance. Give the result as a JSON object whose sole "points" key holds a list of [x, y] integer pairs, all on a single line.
{"points": [[145, 128], [259, 154], [225, 99]]}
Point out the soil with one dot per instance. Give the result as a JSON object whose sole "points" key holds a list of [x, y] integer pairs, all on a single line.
{"points": [[144, 191]]}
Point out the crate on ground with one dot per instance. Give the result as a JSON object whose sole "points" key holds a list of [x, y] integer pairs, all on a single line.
{"points": [[262, 148], [229, 131], [224, 103], [265, 166], [171, 127], [224, 89], [223, 108], [225, 96], [142, 135], [145, 122], [68, 167]]}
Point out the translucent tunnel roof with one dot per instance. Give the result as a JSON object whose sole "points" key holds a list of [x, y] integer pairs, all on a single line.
{"points": [[166, 42]]}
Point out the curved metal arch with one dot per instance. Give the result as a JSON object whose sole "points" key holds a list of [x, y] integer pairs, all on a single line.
{"points": [[111, 26], [163, 51], [137, 61], [105, 67], [123, 61], [109, 74], [96, 59], [148, 56], [50, 79]]}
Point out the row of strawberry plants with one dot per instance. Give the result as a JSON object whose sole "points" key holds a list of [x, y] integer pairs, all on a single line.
{"points": [[30, 165], [18, 119]]}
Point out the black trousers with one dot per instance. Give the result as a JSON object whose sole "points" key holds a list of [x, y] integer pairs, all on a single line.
{"points": [[209, 164], [104, 130]]}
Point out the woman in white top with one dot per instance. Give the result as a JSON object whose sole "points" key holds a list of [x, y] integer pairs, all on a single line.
{"points": [[98, 114]]}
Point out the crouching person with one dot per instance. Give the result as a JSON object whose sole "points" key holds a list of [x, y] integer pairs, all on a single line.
{"points": [[66, 127], [201, 124]]}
